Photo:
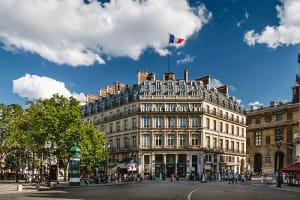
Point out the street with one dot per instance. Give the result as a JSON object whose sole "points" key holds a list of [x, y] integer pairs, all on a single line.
{"points": [[162, 190]]}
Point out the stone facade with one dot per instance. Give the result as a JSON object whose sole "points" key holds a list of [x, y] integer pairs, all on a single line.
{"points": [[264, 124], [172, 126]]}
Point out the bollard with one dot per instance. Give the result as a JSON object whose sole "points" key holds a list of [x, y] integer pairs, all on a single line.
{"points": [[19, 188]]}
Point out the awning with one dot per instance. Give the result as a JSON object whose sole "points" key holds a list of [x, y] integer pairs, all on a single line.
{"points": [[125, 166], [115, 168], [131, 167], [295, 167]]}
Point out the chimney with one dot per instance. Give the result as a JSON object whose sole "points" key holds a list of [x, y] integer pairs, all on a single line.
{"points": [[118, 86], [102, 92], [151, 76], [253, 108], [91, 98], [169, 76], [272, 103], [142, 76], [109, 89], [186, 75]]}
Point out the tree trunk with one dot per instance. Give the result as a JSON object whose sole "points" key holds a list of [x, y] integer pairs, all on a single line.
{"points": [[66, 174]]}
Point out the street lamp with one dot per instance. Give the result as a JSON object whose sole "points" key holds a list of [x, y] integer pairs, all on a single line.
{"points": [[17, 165], [107, 148], [278, 144], [48, 146]]}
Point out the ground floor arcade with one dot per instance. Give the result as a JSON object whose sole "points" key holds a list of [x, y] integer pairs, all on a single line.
{"points": [[184, 164]]}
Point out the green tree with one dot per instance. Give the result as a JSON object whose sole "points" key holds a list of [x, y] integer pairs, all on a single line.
{"points": [[58, 120], [51, 120], [91, 143], [11, 134]]}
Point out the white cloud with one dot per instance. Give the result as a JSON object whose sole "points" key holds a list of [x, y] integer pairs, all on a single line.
{"points": [[239, 24], [74, 33], [179, 53], [232, 88], [214, 83], [246, 16], [255, 103], [186, 59], [288, 31], [35, 87]]}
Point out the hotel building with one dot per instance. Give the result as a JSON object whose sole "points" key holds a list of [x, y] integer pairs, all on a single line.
{"points": [[171, 126]]}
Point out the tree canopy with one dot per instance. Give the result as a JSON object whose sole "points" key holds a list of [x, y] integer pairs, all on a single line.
{"points": [[56, 120]]}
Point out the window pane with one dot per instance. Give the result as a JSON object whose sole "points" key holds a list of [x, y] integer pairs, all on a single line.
{"points": [[267, 139], [258, 135], [183, 122], [158, 140], [195, 122], [279, 117], [171, 140], [182, 140], [195, 140], [146, 140]]}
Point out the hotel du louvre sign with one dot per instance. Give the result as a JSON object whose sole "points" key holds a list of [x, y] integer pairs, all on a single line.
{"points": [[171, 107]]}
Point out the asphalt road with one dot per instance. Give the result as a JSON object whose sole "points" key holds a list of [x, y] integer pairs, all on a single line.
{"points": [[182, 190]]}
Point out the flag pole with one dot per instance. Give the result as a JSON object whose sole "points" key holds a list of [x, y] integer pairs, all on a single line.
{"points": [[169, 57]]}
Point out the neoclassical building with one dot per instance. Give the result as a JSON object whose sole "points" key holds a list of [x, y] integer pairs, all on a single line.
{"points": [[264, 124], [171, 125]]}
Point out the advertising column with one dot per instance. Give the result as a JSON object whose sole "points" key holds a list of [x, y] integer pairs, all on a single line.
{"points": [[74, 170]]}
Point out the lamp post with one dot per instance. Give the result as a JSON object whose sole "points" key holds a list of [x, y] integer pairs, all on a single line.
{"points": [[17, 165], [48, 146], [278, 144], [107, 148]]}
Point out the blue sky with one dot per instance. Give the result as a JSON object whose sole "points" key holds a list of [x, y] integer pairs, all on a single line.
{"points": [[75, 48]]}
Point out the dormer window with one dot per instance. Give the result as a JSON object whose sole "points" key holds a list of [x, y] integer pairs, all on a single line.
{"points": [[170, 85], [158, 85], [181, 84], [146, 85]]}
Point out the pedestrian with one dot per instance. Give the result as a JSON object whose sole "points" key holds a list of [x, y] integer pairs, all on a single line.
{"points": [[26, 178], [243, 178], [230, 178], [88, 179]]}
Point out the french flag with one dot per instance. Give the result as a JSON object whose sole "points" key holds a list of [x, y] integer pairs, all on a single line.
{"points": [[175, 40]]}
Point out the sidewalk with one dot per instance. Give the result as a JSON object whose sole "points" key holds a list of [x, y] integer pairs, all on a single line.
{"points": [[286, 187], [10, 186]]}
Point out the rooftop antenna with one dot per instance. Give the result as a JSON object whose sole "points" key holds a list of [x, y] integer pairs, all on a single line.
{"points": [[170, 41]]}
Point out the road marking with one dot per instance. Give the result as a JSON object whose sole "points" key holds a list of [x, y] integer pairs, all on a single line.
{"points": [[190, 194]]}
